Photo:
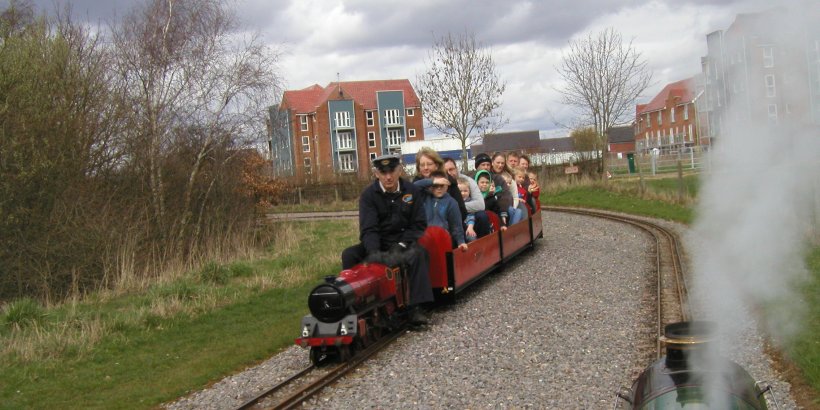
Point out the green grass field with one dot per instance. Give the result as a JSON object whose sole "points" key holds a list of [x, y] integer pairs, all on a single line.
{"points": [[142, 348]]}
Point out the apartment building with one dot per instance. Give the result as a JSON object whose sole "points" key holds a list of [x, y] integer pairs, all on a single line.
{"points": [[764, 68], [668, 121], [319, 133]]}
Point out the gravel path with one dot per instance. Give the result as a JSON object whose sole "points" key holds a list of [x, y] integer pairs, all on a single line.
{"points": [[557, 329]]}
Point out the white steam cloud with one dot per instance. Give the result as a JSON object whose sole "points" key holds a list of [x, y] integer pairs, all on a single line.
{"points": [[759, 201]]}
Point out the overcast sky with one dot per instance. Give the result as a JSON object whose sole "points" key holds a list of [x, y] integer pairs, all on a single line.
{"points": [[385, 39]]}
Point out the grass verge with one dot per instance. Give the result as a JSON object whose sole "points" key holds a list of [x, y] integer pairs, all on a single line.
{"points": [[805, 352], [141, 349]]}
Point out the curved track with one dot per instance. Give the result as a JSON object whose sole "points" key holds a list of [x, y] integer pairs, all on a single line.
{"points": [[672, 306]]}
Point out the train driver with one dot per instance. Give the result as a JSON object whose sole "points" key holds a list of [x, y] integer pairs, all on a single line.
{"points": [[391, 221]]}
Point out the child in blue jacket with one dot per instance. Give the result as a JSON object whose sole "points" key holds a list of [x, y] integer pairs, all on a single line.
{"points": [[441, 209]]}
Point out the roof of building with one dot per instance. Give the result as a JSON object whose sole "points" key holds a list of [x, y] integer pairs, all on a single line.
{"points": [[683, 91], [623, 133], [363, 92], [564, 144], [509, 141]]}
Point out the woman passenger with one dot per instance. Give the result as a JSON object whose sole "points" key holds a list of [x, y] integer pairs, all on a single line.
{"points": [[427, 161], [510, 188]]}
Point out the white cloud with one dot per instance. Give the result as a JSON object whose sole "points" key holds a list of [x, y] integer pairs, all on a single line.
{"points": [[387, 39]]}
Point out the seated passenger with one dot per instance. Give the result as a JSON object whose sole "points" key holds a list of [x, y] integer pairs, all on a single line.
{"points": [[501, 191], [474, 202], [427, 161], [534, 190], [523, 193], [469, 222], [391, 219], [488, 190], [517, 210], [441, 209]]}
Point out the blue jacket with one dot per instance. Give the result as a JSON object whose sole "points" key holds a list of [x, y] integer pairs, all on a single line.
{"points": [[443, 212]]}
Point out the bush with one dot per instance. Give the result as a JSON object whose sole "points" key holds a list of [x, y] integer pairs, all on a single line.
{"points": [[22, 313]]}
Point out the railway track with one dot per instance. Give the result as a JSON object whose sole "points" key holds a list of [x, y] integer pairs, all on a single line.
{"points": [[308, 382], [672, 291], [311, 216], [672, 306]]}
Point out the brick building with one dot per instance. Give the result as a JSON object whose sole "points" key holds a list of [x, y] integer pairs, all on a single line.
{"points": [[668, 122], [765, 67], [621, 140], [318, 133]]}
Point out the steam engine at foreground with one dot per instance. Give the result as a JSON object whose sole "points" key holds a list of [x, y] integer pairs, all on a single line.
{"points": [[688, 377], [353, 310]]}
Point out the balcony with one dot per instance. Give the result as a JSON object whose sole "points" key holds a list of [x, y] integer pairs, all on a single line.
{"points": [[392, 122], [344, 142], [343, 123]]}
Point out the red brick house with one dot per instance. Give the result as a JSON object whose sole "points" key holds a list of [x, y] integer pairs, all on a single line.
{"points": [[318, 133], [668, 122], [621, 140]]}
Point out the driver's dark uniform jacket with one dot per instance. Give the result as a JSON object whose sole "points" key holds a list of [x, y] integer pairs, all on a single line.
{"points": [[387, 220]]}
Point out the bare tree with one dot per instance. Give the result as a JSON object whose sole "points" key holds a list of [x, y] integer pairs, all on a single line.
{"points": [[193, 86], [461, 90], [603, 76]]}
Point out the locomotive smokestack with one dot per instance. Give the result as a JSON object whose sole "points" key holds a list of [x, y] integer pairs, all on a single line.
{"points": [[684, 339]]}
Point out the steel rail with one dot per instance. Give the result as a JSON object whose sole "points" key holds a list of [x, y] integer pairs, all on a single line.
{"points": [[314, 387], [254, 401]]}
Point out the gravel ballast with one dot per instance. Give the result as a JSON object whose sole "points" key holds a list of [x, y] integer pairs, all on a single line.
{"points": [[562, 327]]}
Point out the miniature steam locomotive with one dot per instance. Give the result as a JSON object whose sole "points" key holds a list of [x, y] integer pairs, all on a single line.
{"points": [[692, 376], [352, 310]]}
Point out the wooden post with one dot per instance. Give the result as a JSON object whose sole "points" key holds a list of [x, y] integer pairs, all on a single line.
{"points": [[680, 181]]}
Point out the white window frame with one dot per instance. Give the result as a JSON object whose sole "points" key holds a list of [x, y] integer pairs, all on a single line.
{"points": [[343, 119], [768, 57], [303, 122], [344, 140], [371, 118], [306, 164], [411, 132], [411, 112], [691, 137], [686, 112], [372, 156], [305, 143], [394, 138], [773, 114], [371, 139], [660, 118], [672, 114], [346, 162], [771, 86], [392, 117]]}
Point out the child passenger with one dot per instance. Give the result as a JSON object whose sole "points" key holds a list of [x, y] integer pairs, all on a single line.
{"points": [[523, 193], [485, 185], [469, 221], [534, 190], [441, 209], [517, 210]]}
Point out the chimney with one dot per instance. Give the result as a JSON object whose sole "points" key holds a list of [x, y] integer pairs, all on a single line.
{"points": [[683, 339]]}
